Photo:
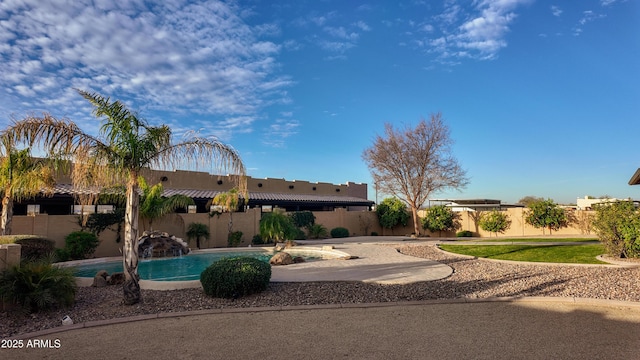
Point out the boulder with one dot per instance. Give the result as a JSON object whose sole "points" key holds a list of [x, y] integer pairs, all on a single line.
{"points": [[298, 259], [99, 281], [281, 258], [116, 279]]}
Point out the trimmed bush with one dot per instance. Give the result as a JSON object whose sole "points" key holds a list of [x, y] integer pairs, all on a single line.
{"points": [[80, 244], [257, 240], [62, 255], [298, 234], [38, 285], [339, 232], [234, 239], [464, 233], [235, 277], [35, 248]]}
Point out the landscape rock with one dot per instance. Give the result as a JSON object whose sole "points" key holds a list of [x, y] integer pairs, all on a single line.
{"points": [[281, 258], [99, 281], [116, 279]]}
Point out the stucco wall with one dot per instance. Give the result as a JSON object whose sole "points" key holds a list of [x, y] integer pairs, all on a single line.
{"points": [[56, 227]]}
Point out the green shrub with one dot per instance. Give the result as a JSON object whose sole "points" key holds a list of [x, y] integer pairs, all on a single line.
{"points": [[198, 231], [299, 234], [81, 244], [373, 233], [62, 255], [618, 227], [38, 285], [235, 277], [318, 231], [302, 219], [35, 248], [440, 218], [276, 227], [257, 240], [464, 233], [234, 238], [339, 232]]}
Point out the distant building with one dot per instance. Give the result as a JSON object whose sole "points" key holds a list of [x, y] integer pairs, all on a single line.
{"points": [[588, 203], [472, 204], [265, 194]]}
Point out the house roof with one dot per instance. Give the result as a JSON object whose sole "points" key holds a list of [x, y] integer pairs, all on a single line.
{"points": [[255, 198], [635, 179]]}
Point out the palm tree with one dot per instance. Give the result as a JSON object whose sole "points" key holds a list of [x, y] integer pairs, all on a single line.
{"points": [[125, 146], [229, 201], [154, 206], [21, 177], [197, 231]]}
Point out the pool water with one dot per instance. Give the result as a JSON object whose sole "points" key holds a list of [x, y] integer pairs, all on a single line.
{"points": [[182, 268]]}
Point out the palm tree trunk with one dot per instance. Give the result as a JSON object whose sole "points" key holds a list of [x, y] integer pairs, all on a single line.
{"points": [[7, 214], [131, 285]]}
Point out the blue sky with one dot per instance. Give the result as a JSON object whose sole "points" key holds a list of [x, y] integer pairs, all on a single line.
{"points": [[542, 97]]}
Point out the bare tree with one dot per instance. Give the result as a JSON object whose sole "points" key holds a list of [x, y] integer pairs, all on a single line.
{"points": [[413, 163]]}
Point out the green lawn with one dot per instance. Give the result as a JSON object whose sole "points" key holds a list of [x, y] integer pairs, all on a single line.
{"points": [[537, 240], [576, 254]]}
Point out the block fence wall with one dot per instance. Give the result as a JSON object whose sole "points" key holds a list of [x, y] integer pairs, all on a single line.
{"points": [[9, 255], [359, 223]]}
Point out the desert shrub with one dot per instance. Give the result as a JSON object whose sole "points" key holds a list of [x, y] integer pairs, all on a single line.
{"points": [[302, 219], [81, 244], [62, 255], [235, 277], [234, 238], [38, 285], [35, 248], [464, 233], [299, 234], [618, 227], [257, 240], [318, 231], [339, 232], [440, 218], [392, 212]]}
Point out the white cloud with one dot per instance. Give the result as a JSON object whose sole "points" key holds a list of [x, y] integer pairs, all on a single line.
{"points": [[587, 17], [555, 10], [607, 2], [478, 33], [362, 26], [280, 130], [332, 35], [177, 57]]}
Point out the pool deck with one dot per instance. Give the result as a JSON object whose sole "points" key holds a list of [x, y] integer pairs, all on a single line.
{"points": [[371, 262]]}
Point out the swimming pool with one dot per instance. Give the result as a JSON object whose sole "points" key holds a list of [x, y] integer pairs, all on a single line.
{"points": [[189, 267]]}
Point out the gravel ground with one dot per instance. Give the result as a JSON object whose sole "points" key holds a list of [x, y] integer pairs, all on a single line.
{"points": [[472, 278]]}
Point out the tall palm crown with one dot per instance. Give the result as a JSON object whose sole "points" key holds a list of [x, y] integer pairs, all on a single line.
{"points": [[21, 177], [126, 144], [154, 206]]}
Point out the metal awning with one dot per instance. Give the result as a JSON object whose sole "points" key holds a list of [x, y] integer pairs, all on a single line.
{"points": [[255, 198], [635, 179]]}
